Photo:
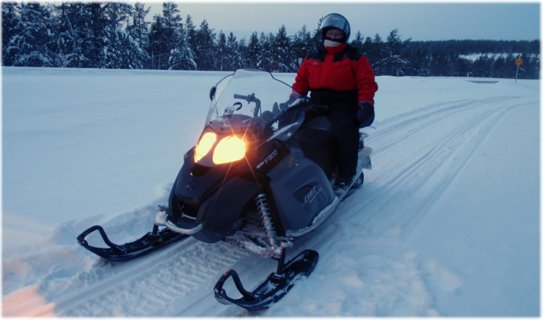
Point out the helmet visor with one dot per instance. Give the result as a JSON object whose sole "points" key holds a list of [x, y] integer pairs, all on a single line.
{"points": [[337, 21]]}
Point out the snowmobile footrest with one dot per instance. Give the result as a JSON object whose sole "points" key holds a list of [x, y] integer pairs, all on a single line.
{"points": [[274, 288], [115, 252]]}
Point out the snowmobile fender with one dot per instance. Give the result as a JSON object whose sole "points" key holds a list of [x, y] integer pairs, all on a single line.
{"points": [[214, 197], [301, 189], [194, 183], [222, 209]]}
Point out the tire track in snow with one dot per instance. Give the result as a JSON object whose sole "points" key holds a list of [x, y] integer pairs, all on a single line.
{"points": [[399, 128], [419, 156], [416, 158], [163, 284]]}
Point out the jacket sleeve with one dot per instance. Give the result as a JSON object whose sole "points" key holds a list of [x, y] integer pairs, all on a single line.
{"points": [[365, 80], [301, 83]]}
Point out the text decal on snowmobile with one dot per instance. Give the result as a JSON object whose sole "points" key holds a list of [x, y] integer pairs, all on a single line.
{"points": [[268, 159]]}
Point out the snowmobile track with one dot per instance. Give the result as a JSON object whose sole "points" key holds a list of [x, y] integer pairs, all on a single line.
{"points": [[166, 283]]}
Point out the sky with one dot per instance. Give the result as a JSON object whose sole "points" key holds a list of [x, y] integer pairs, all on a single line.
{"points": [[418, 21]]}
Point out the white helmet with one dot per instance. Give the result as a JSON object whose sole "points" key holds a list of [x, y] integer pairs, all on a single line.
{"points": [[337, 21]]}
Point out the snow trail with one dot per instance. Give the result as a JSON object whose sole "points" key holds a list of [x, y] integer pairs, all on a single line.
{"points": [[166, 284], [416, 157], [425, 161], [391, 249]]}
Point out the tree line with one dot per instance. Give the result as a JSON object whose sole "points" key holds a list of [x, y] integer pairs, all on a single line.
{"points": [[118, 35]]}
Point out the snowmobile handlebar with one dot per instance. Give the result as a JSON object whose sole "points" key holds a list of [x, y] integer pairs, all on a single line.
{"points": [[250, 98], [299, 101]]}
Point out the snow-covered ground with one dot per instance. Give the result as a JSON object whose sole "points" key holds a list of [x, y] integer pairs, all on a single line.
{"points": [[446, 224]]}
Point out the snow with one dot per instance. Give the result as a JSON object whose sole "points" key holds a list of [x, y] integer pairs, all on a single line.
{"points": [[446, 224]]}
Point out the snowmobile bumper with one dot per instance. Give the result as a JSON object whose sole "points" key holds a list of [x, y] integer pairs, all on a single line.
{"points": [[191, 227], [115, 252], [170, 225]]}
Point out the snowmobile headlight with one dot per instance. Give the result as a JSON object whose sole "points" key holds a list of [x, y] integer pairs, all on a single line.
{"points": [[229, 149], [204, 145]]}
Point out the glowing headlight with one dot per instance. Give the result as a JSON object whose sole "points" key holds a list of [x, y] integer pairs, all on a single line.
{"points": [[229, 149], [204, 145]]}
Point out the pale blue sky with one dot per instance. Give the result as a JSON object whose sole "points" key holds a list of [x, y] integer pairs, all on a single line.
{"points": [[419, 21]]}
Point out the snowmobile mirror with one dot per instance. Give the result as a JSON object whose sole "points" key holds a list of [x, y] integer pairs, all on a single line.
{"points": [[212, 92]]}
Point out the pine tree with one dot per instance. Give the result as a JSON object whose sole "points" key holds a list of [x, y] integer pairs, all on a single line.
{"points": [[374, 49], [221, 50], [205, 47], [10, 28], [171, 14], [138, 27], [96, 41], [419, 61], [280, 53], [388, 59], [254, 51], [33, 46], [228, 56], [394, 63], [157, 45], [73, 35], [266, 44], [181, 56], [167, 40], [302, 44], [120, 50], [357, 42], [233, 51], [138, 33], [190, 31], [243, 52]]}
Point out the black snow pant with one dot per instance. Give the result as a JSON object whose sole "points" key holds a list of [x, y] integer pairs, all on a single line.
{"points": [[340, 108], [345, 136]]}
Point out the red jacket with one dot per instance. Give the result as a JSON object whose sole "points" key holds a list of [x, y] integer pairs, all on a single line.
{"points": [[339, 68]]}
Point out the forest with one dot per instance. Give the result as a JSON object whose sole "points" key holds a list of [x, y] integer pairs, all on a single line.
{"points": [[115, 35]]}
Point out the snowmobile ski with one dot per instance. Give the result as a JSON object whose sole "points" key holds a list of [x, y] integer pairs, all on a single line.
{"points": [[149, 242], [275, 287]]}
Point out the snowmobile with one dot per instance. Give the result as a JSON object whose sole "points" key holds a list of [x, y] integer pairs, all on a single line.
{"points": [[259, 177]]}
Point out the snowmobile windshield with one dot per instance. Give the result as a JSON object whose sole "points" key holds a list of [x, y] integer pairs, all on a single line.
{"points": [[248, 99]]}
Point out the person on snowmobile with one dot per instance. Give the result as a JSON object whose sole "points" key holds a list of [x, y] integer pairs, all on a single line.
{"points": [[342, 85]]}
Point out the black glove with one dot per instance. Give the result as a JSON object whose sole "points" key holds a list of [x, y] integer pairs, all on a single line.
{"points": [[365, 114]]}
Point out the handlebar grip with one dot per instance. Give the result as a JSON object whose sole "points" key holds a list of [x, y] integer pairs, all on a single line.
{"points": [[239, 96]]}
